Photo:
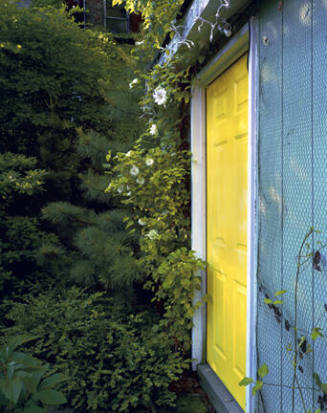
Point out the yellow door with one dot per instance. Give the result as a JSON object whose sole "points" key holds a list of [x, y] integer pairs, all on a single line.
{"points": [[227, 156]]}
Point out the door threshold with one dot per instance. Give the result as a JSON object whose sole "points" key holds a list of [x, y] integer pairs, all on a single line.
{"points": [[219, 396]]}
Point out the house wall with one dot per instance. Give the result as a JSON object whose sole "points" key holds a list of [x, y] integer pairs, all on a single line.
{"points": [[292, 198], [95, 15]]}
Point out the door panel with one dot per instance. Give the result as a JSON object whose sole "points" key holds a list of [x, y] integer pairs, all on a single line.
{"points": [[227, 136]]}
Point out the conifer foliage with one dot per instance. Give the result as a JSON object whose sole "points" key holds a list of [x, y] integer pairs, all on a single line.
{"points": [[59, 114]]}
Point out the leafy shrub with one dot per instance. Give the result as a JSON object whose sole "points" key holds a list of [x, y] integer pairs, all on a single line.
{"points": [[47, 3], [114, 360], [26, 385]]}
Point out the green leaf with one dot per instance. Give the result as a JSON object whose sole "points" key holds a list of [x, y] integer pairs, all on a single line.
{"points": [[52, 381], [30, 380], [50, 397], [315, 333], [302, 340], [19, 340], [322, 386], [263, 370], [245, 381], [267, 301], [257, 387], [12, 389], [280, 292], [33, 409], [317, 379]]}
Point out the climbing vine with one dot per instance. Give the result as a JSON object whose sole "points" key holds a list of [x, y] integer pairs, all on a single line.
{"points": [[153, 177], [303, 344]]}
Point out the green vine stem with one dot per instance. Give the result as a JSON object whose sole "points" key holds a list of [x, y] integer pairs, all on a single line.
{"points": [[295, 379]]}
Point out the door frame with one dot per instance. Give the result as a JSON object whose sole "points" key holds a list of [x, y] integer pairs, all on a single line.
{"points": [[244, 41]]}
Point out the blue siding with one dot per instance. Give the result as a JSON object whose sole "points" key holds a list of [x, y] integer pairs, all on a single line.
{"points": [[292, 195], [270, 147]]}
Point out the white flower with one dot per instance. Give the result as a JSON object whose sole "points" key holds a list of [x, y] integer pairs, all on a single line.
{"points": [[128, 153], [141, 222], [134, 170], [120, 189], [153, 234], [153, 129], [160, 95], [129, 193], [133, 83], [139, 43], [140, 181], [149, 162]]}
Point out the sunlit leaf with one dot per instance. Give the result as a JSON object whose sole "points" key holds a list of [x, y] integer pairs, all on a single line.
{"points": [[245, 381], [280, 292], [257, 387], [315, 333], [263, 370]]}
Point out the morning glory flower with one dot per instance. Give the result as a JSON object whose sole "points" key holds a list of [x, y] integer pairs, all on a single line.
{"points": [[149, 162], [153, 129], [134, 170], [140, 181], [153, 234], [133, 83], [160, 95]]}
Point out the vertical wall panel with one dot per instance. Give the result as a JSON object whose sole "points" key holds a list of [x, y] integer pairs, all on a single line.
{"points": [[292, 199], [270, 165], [319, 167], [297, 194]]}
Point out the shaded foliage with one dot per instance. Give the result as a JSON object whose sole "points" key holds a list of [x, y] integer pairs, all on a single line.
{"points": [[114, 359]]}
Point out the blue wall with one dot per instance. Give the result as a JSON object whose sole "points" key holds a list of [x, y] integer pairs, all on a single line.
{"points": [[292, 197]]}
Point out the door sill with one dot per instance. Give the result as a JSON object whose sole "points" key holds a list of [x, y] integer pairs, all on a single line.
{"points": [[219, 396]]}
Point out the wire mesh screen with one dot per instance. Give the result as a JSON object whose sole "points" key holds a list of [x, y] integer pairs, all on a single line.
{"points": [[292, 206]]}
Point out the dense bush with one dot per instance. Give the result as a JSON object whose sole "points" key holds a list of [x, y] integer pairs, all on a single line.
{"points": [[114, 360]]}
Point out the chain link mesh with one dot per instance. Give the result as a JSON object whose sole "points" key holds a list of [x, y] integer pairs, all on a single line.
{"points": [[292, 200]]}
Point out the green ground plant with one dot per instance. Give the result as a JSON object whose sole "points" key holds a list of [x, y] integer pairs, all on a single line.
{"points": [[26, 384]]}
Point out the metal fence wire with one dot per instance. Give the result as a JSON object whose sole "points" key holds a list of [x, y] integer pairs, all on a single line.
{"points": [[292, 205]]}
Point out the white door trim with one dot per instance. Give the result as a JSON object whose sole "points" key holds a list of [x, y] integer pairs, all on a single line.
{"points": [[235, 48], [251, 356]]}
